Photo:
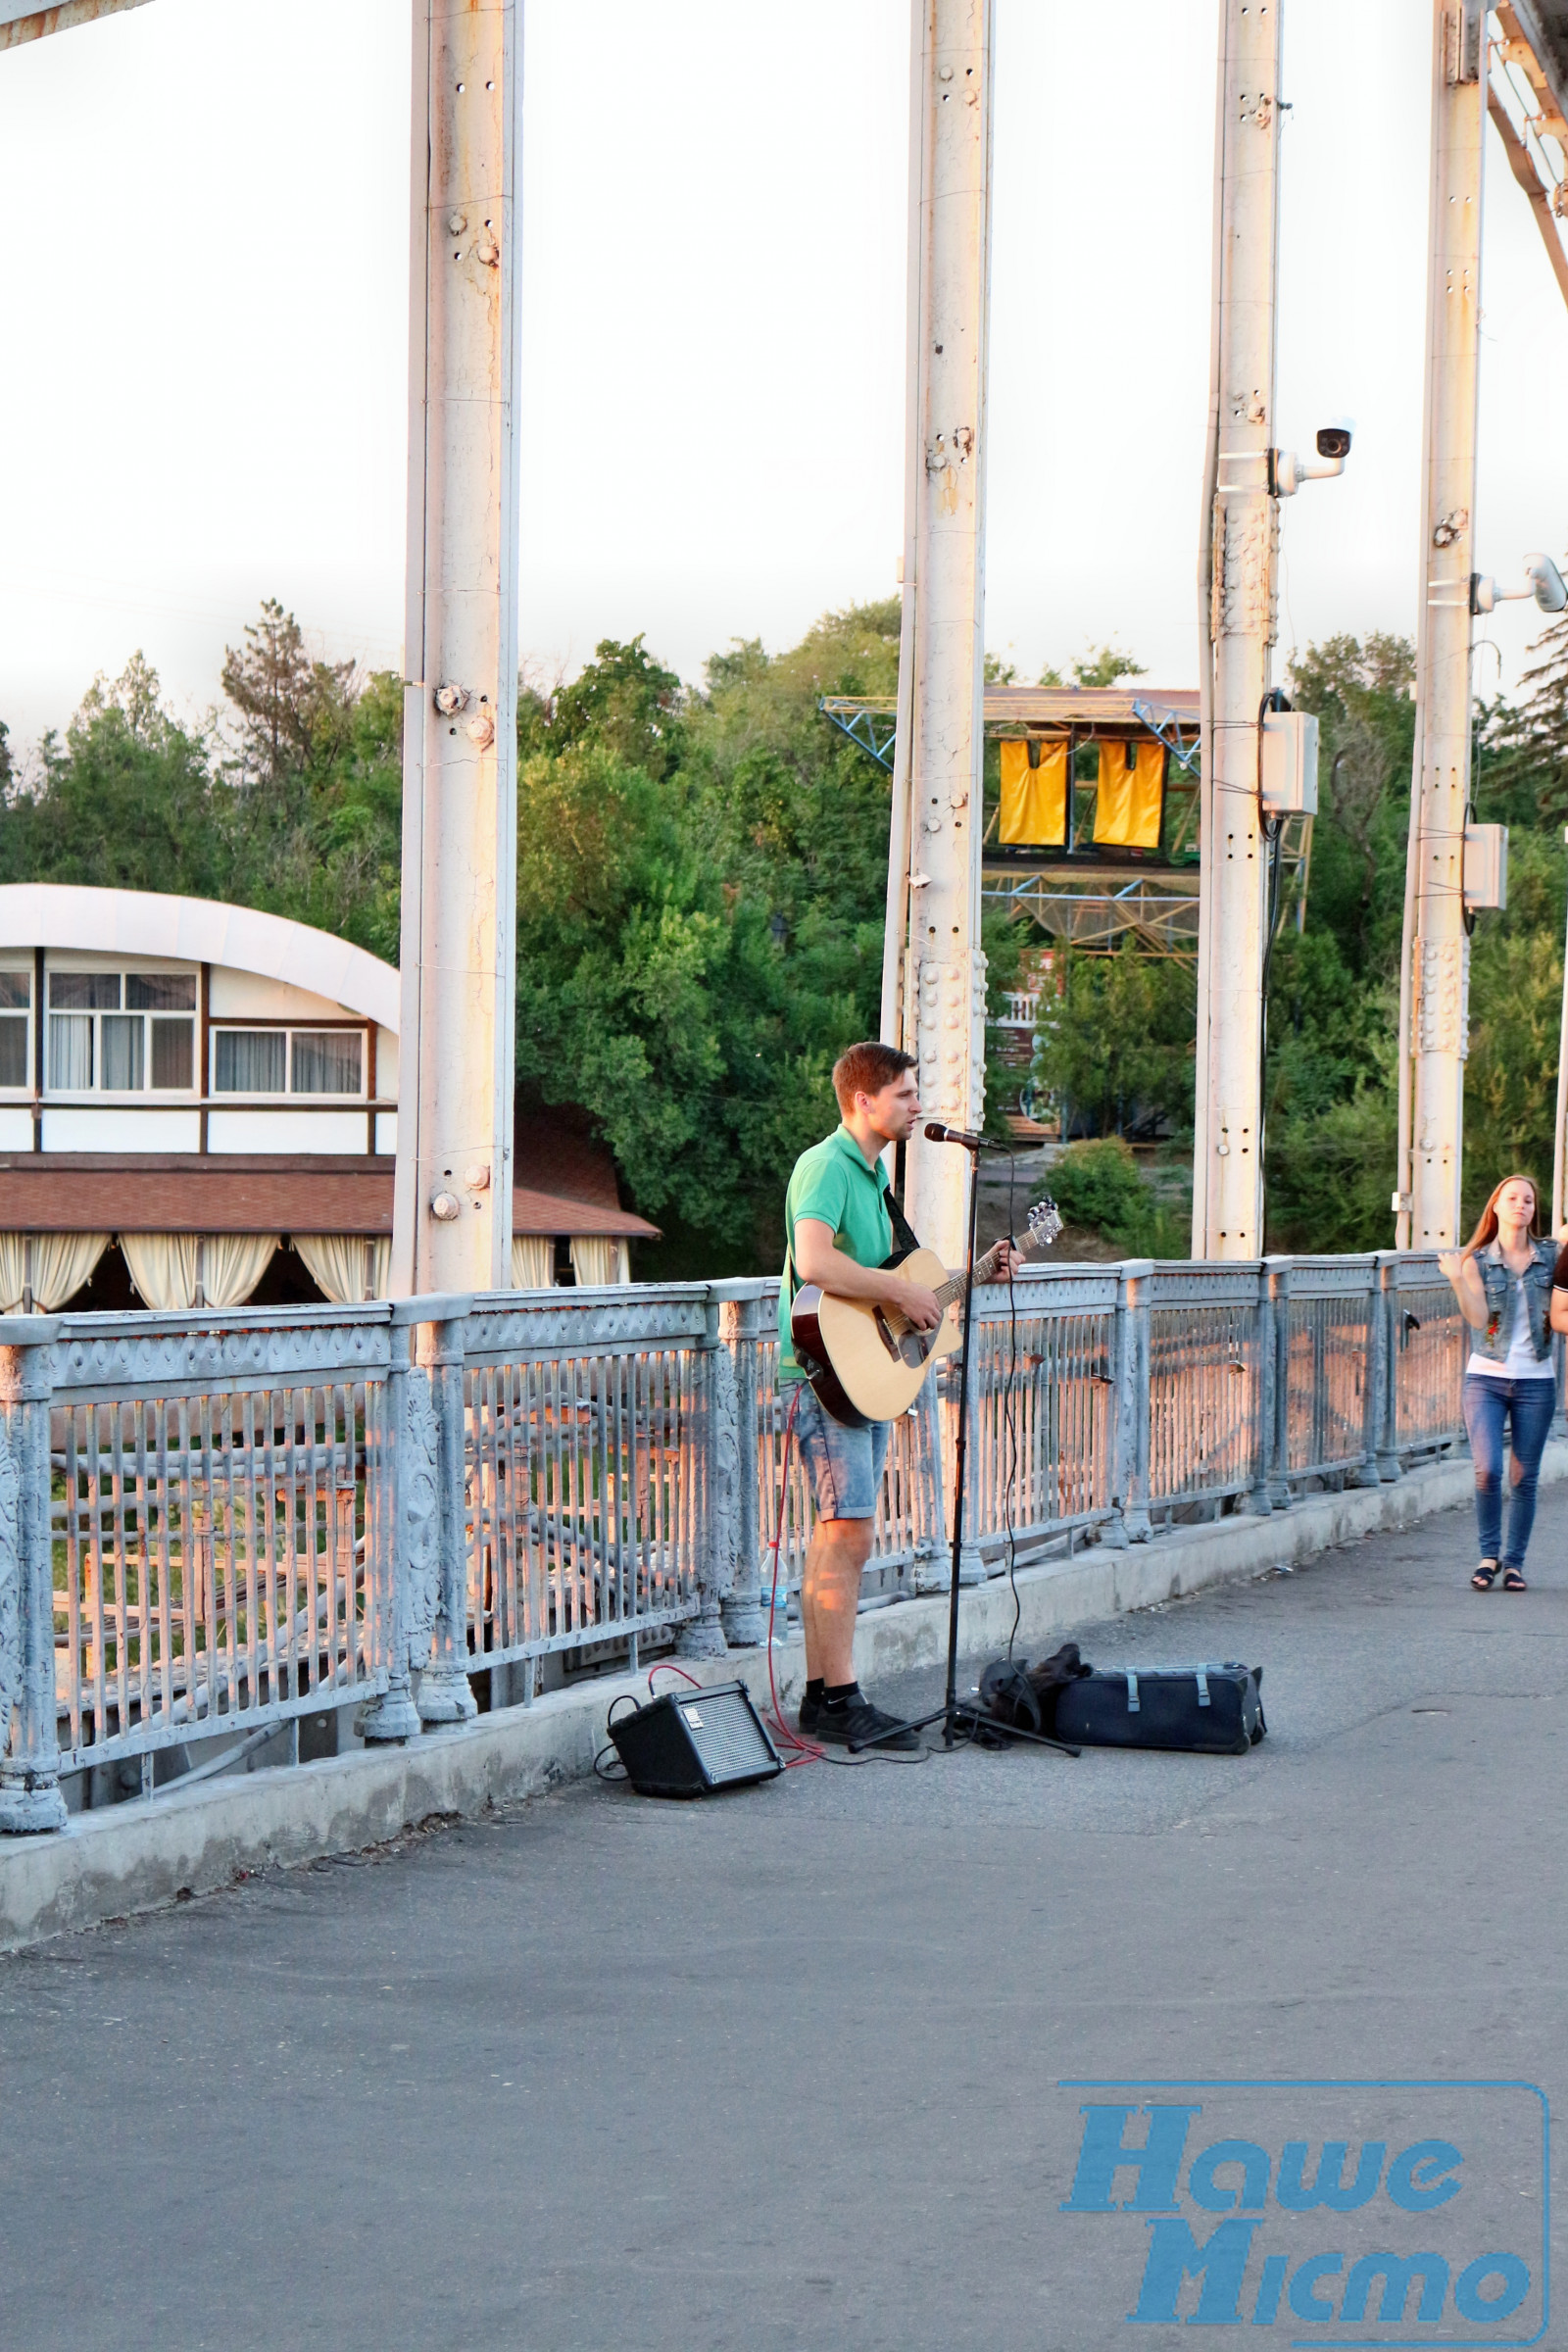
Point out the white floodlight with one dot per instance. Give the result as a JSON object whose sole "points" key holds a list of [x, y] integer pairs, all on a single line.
{"points": [[1552, 594], [1544, 581]]}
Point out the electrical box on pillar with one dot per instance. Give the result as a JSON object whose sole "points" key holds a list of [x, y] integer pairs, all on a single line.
{"points": [[934, 972], [1486, 867], [1289, 767]]}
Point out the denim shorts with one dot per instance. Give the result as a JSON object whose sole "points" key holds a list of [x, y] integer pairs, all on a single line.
{"points": [[844, 1465]]}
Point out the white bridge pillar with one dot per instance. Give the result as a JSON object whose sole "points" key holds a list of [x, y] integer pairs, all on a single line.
{"points": [[452, 1219], [1238, 627], [934, 977], [1435, 966]]}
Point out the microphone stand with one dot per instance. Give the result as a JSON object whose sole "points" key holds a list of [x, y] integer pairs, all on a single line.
{"points": [[962, 1721]]}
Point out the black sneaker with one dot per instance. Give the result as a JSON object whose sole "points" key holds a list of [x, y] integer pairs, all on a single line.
{"points": [[858, 1725], [811, 1713]]}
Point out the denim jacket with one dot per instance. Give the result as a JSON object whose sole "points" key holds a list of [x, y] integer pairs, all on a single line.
{"points": [[1501, 1289]]}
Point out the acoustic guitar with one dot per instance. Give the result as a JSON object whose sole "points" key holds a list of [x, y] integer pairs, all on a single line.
{"points": [[865, 1361]]}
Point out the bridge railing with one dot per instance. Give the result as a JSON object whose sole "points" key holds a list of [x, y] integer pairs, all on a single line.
{"points": [[214, 1525]]}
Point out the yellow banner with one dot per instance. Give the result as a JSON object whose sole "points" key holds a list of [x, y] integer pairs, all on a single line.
{"points": [[1132, 791], [1034, 799]]}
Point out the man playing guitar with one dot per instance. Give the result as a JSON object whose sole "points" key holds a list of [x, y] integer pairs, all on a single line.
{"points": [[839, 1235]]}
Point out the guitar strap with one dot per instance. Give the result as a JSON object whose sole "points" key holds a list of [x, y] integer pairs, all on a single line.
{"points": [[906, 1241]]}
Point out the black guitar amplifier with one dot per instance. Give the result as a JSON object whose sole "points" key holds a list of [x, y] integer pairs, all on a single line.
{"points": [[686, 1742]]}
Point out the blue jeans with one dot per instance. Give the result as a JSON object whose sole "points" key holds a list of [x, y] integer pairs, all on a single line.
{"points": [[1528, 1406]]}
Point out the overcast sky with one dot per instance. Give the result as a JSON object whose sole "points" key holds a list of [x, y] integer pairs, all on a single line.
{"points": [[203, 278]]}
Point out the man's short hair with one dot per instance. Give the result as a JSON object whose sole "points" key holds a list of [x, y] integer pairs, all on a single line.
{"points": [[866, 1068]]}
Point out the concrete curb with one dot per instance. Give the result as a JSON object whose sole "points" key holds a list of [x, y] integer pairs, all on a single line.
{"points": [[137, 1856]]}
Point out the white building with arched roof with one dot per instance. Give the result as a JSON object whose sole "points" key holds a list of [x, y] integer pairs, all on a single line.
{"points": [[209, 1095]]}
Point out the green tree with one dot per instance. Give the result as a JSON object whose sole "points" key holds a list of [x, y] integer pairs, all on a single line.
{"points": [[1359, 689], [623, 700], [128, 801], [1098, 665], [1333, 996], [1329, 1176], [1117, 1046], [295, 713], [338, 866], [1522, 764], [1098, 1184]]}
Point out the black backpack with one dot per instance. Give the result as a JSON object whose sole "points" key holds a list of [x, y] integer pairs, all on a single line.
{"points": [[1023, 1697]]}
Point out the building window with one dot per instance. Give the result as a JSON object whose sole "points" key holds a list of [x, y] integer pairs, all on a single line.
{"points": [[250, 1061], [326, 1061], [15, 1029], [288, 1061], [161, 992], [71, 1051], [120, 1031], [124, 1057], [174, 1055], [92, 992]]}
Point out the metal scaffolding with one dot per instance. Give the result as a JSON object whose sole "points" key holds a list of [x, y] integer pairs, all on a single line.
{"points": [[1095, 899]]}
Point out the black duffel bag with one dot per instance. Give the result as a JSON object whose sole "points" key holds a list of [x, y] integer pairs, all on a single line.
{"points": [[1214, 1710]]}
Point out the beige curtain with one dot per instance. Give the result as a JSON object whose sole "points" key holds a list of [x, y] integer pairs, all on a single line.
{"points": [[13, 1271], [533, 1261], [163, 1267], [58, 1263], [61, 1263], [349, 1267], [166, 1267], [597, 1258], [232, 1264]]}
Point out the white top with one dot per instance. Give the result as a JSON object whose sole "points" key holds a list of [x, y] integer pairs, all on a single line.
{"points": [[1521, 1361]]}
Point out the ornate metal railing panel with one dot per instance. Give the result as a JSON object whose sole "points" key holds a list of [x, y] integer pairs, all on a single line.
{"points": [[1430, 1343], [210, 1570], [584, 1476], [1205, 1382], [1042, 1405], [1329, 1356], [210, 1515]]}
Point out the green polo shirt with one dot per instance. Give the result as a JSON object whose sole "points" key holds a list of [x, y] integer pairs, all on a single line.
{"points": [[833, 1184]]}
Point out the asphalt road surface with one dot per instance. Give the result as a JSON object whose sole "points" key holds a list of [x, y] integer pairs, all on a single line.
{"points": [[784, 2068]]}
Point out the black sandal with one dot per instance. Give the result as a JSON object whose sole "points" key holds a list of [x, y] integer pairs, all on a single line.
{"points": [[1485, 1574], [1513, 1582]]}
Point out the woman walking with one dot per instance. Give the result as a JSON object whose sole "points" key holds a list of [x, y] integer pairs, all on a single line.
{"points": [[1503, 1280]]}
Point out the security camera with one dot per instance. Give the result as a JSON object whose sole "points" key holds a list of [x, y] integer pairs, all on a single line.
{"points": [[1287, 471]]}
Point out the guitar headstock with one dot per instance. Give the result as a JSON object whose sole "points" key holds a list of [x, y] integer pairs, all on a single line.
{"points": [[1045, 1223]]}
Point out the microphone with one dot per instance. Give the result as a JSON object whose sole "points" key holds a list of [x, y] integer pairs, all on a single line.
{"points": [[936, 1133]]}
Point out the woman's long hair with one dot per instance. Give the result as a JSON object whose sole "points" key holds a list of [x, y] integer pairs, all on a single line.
{"points": [[1486, 1231]]}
